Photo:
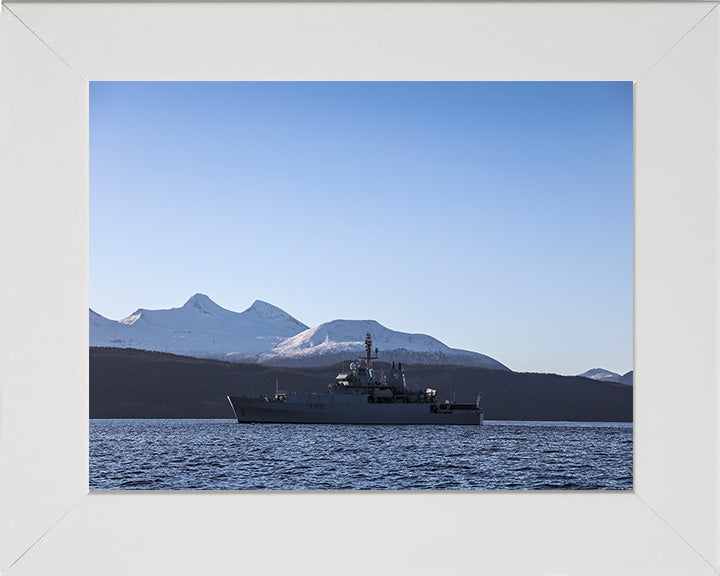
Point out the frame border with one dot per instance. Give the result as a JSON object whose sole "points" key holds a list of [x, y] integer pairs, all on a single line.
{"points": [[49, 522]]}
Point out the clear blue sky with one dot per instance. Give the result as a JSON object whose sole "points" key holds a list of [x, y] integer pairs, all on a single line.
{"points": [[494, 216]]}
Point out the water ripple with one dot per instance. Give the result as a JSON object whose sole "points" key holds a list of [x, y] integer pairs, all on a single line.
{"points": [[222, 454]]}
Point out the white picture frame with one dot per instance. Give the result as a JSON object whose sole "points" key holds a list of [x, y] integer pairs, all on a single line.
{"points": [[50, 524]]}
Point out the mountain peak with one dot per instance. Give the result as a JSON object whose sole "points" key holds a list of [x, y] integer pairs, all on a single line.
{"points": [[99, 320], [260, 305], [198, 300], [603, 375], [134, 317], [266, 311], [204, 304]]}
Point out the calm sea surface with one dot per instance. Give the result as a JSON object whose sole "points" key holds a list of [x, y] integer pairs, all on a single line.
{"points": [[225, 455]]}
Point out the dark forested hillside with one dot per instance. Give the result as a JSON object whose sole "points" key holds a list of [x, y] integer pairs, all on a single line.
{"points": [[126, 383]]}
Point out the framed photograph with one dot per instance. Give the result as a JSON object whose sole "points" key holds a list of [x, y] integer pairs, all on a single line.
{"points": [[390, 219], [49, 522]]}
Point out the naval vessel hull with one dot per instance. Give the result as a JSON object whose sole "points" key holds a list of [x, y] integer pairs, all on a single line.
{"points": [[323, 409]]}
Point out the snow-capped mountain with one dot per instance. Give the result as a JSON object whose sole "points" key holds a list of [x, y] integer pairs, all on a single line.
{"points": [[266, 334], [199, 328], [340, 340], [607, 376]]}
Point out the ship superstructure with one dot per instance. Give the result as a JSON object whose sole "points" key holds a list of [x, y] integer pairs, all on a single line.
{"points": [[359, 395]]}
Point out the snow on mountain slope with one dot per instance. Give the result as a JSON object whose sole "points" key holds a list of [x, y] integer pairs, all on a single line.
{"points": [[199, 328], [98, 322], [341, 340], [607, 376], [266, 334]]}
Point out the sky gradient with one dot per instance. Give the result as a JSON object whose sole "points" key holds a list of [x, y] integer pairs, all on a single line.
{"points": [[494, 216]]}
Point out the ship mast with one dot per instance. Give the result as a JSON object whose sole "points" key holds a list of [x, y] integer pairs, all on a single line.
{"points": [[369, 349]]}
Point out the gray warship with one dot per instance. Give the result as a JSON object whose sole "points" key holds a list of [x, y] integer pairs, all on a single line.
{"points": [[358, 396]]}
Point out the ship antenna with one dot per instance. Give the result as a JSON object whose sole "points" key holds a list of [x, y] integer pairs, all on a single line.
{"points": [[369, 349]]}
